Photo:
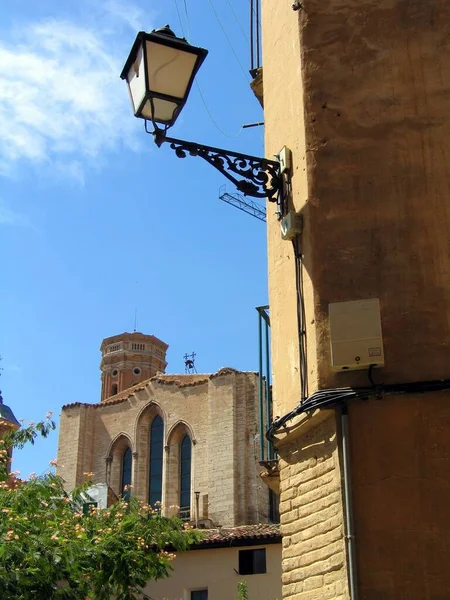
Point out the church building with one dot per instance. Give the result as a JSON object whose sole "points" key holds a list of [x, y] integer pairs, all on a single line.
{"points": [[187, 441]]}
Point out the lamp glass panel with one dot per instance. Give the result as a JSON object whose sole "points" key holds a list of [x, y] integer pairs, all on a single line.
{"points": [[163, 110], [136, 80], [169, 69]]}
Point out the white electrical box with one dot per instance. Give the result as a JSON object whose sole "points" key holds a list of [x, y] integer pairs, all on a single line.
{"points": [[290, 225], [355, 334], [285, 159]]}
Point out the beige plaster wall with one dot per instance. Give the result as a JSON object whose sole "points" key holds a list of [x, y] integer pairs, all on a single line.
{"points": [[215, 569], [285, 126]]}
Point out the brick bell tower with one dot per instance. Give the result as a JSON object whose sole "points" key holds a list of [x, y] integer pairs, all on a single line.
{"points": [[8, 422], [128, 359]]}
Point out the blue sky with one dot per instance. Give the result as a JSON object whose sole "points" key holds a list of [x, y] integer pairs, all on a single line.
{"points": [[95, 220]]}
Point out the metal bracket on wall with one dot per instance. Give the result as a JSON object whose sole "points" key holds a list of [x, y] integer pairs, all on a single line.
{"points": [[252, 175]]}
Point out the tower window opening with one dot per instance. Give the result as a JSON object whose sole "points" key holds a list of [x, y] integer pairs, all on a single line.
{"points": [[137, 346], [114, 389], [113, 348]]}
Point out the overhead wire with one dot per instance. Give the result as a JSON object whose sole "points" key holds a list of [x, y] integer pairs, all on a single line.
{"points": [[229, 135], [179, 18], [237, 19], [246, 75], [187, 19], [214, 122]]}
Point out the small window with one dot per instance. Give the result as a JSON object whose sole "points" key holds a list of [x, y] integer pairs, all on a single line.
{"points": [[199, 595], [114, 389], [115, 372], [252, 562], [136, 371]]}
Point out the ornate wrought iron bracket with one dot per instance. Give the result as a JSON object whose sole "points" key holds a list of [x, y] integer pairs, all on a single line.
{"points": [[252, 175]]}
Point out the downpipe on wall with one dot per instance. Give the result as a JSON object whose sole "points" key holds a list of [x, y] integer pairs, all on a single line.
{"points": [[348, 505]]}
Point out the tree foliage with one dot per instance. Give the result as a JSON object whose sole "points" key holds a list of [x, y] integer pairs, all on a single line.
{"points": [[242, 591], [50, 549]]}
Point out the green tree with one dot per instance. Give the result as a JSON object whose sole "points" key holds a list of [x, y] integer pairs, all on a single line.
{"points": [[242, 591], [50, 549]]}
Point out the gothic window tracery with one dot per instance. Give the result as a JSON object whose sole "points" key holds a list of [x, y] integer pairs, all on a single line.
{"points": [[156, 461], [127, 463], [185, 477]]}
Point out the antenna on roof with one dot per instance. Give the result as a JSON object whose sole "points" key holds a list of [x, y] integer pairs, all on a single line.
{"points": [[189, 363]]}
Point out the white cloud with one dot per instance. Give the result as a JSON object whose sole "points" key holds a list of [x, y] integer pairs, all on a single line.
{"points": [[10, 217], [132, 15], [61, 99]]}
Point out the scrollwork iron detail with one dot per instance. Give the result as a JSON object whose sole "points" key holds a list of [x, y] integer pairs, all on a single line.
{"points": [[252, 175]]}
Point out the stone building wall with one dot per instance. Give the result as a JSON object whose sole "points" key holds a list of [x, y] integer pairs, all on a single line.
{"points": [[400, 457], [358, 91], [219, 412], [312, 525]]}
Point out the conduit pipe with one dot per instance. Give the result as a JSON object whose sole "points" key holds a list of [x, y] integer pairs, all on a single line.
{"points": [[348, 505]]}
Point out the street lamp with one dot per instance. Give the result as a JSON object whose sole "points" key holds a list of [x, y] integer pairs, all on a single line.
{"points": [[159, 71]]}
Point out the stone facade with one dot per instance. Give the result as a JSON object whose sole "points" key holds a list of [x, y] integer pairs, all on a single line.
{"points": [[312, 524], [219, 414], [356, 90]]}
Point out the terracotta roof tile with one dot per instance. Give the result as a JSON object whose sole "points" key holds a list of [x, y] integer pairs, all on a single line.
{"points": [[243, 535]]}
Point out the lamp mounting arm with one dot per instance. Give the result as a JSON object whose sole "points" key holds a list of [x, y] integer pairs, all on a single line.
{"points": [[252, 175]]}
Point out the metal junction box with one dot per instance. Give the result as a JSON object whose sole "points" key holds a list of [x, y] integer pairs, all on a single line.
{"points": [[355, 334]]}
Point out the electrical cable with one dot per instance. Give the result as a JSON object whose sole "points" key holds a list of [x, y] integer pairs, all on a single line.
{"points": [[246, 75], [179, 18], [237, 19], [301, 321], [331, 397], [212, 118], [187, 19], [197, 83]]}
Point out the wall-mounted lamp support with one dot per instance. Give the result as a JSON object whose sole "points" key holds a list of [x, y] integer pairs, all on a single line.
{"points": [[252, 175]]}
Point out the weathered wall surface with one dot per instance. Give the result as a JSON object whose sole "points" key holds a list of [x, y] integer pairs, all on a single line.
{"points": [[76, 430], [218, 412], [401, 489], [376, 97], [358, 90], [285, 126], [314, 559]]}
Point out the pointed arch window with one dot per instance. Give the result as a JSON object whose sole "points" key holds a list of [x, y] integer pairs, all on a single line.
{"points": [[156, 461], [127, 463], [185, 477]]}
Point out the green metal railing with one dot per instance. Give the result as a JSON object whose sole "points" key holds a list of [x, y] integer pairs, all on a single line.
{"points": [[264, 382]]}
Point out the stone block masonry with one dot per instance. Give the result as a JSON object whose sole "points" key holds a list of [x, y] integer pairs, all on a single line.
{"points": [[312, 525], [219, 413]]}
